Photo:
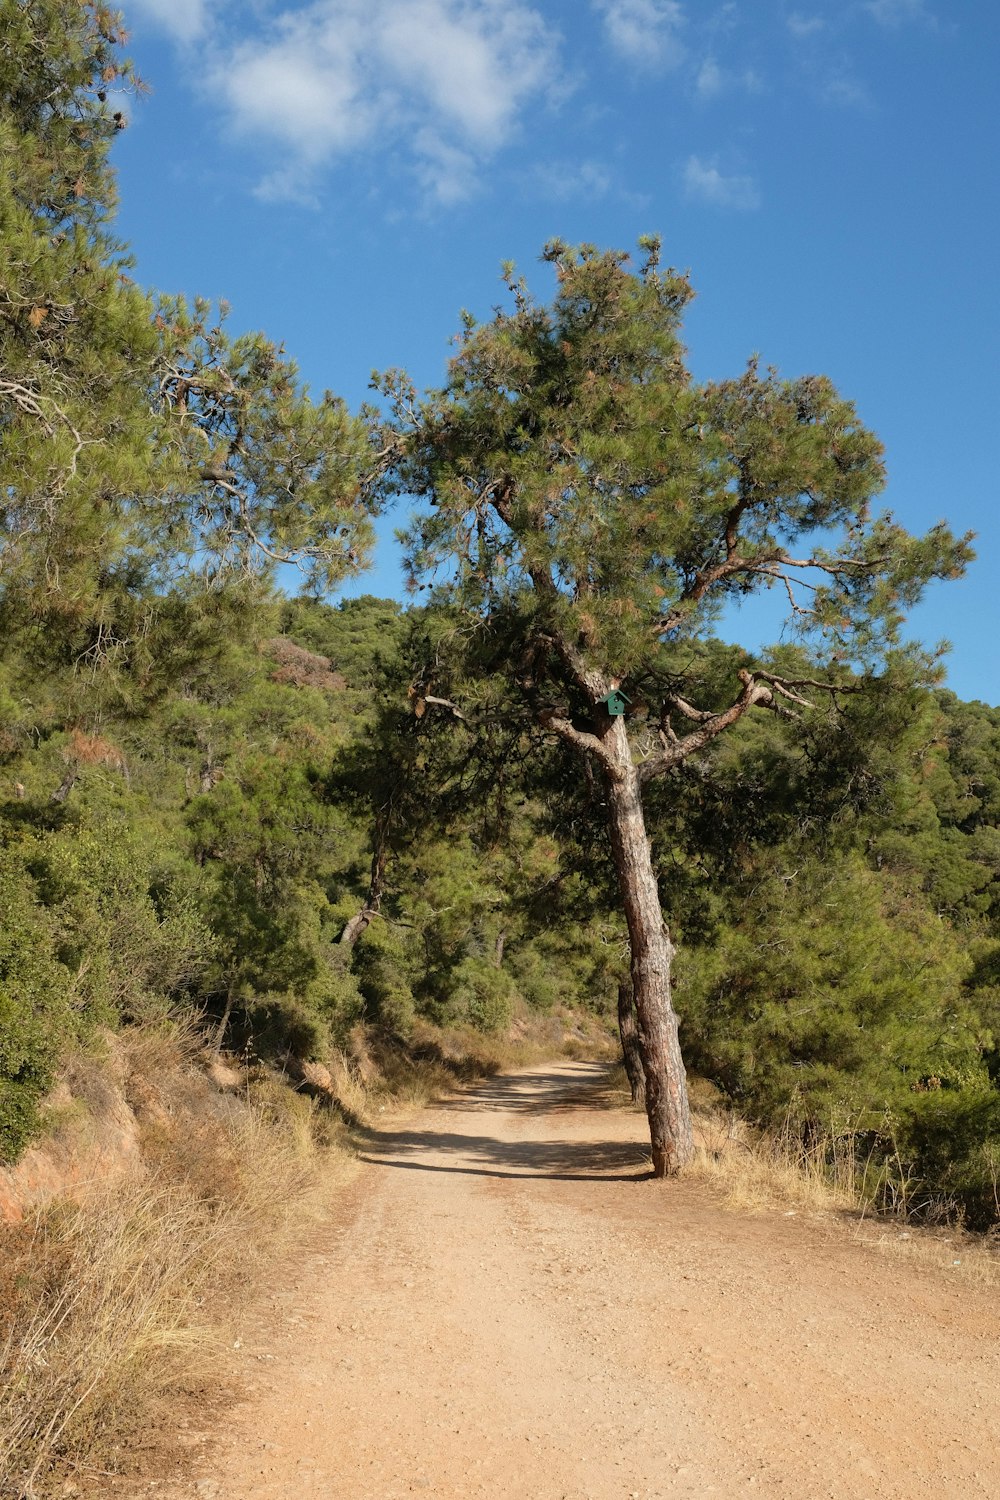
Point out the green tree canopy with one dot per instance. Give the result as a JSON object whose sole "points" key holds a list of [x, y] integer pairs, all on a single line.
{"points": [[141, 443]]}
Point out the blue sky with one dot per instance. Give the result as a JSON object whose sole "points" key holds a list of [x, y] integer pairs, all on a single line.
{"points": [[348, 174]]}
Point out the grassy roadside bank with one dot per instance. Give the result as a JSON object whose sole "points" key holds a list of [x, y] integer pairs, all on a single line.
{"points": [[125, 1297]]}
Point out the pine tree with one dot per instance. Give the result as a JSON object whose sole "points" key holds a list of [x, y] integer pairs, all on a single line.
{"points": [[593, 506], [155, 473], [77, 343], [141, 443]]}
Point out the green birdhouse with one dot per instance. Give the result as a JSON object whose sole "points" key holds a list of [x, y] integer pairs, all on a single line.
{"points": [[615, 702]]}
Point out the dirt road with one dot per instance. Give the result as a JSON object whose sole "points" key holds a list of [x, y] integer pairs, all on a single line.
{"points": [[507, 1308]]}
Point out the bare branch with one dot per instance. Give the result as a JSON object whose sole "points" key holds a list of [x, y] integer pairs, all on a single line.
{"points": [[36, 405], [782, 683], [588, 744], [795, 606], [710, 726], [698, 715], [837, 565], [446, 703], [770, 564], [28, 400], [789, 693]]}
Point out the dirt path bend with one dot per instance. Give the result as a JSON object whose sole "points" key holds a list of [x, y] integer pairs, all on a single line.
{"points": [[506, 1308]]}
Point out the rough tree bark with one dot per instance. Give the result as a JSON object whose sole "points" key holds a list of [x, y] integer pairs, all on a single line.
{"points": [[67, 784], [667, 1107], [631, 1048]]}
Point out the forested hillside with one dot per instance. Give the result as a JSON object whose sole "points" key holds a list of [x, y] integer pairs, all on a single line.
{"points": [[224, 799]]}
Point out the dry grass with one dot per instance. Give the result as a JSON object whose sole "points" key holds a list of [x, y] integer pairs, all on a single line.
{"points": [[118, 1322], [112, 1303], [758, 1171], [968, 1258]]}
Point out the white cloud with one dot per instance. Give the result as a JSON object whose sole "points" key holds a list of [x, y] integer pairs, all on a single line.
{"points": [[447, 173], [709, 81], [301, 88], [473, 65], [562, 181], [704, 181], [185, 20], [894, 13], [294, 185], [803, 26], [443, 81], [645, 32]]}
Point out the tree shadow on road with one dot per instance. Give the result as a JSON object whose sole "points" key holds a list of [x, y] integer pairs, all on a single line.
{"points": [[580, 1089], [487, 1156], [575, 1086]]}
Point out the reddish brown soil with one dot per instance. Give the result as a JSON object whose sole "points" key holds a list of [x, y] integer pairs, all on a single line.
{"points": [[504, 1306]]}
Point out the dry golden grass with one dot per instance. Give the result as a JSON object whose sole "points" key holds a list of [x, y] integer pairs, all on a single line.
{"points": [[760, 1171], [118, 1323], [757, 1171], [968, 1258], [113, 1302]]}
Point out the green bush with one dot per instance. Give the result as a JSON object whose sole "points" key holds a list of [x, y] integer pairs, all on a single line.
{"points": [[829, 992], [382, 970], [38, 1010], [484, 995]]}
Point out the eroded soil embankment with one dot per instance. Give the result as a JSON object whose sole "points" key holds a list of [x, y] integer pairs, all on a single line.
{"points": [[505, 1307]]}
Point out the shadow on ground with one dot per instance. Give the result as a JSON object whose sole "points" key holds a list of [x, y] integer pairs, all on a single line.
{"points": [[576, 1086], [534, 1093]]}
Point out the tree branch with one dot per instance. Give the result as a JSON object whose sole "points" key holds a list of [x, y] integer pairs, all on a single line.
{"points": [[446, 703], [587, 744], [769, 564], [783, 683], [710, 725], [499, 495]]}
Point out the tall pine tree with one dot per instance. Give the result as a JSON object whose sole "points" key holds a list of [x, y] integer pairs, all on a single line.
{"points": [[591, 506]]}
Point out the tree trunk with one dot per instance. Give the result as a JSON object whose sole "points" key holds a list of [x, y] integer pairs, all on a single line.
{"points": [[222, 1027], [652, 953], [67, 784], [207, 776], [373, 901], [631, 1049]]}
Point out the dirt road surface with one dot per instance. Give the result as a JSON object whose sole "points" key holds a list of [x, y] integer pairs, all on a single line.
{"points": [[504, 1306]]}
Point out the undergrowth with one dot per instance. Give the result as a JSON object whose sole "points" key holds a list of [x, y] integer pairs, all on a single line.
{"points": [[835, 1174]]}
